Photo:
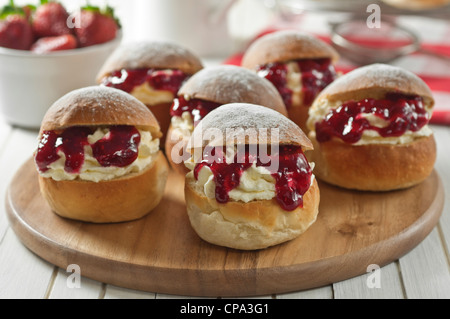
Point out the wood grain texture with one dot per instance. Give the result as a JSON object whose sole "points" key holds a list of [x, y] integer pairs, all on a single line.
{"points": [[161, 253]]}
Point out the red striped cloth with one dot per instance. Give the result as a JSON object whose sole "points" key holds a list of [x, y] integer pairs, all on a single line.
{"points": [[432, 72]]}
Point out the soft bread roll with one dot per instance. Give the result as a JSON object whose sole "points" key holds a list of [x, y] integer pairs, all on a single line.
{"points": [[152, 55], [235, 118], [221, 84], [123, 198], [96, 106], [374, 81], [374, 167], [248, 226], [252, 224], [226, 84], [148, 55], [284, 47], [379, 164]]}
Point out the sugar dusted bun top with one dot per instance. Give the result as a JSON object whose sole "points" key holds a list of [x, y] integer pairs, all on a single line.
{"points": [[151, 54], [286, 45], [97, 106], [223, 126], [232, 84], [374, 81]]}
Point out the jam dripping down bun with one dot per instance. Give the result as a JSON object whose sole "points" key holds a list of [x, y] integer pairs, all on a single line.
{"points": [[71, 119], [402, 153]]}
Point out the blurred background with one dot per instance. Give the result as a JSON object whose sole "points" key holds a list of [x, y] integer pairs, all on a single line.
{"points": [[220, 28], [413, 34]]}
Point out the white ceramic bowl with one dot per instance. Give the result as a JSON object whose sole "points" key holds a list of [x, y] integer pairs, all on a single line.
{"points": [[30, 83]]}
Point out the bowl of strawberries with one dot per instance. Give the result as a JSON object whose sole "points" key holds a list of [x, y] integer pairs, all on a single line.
{"points": [[46, 52]]}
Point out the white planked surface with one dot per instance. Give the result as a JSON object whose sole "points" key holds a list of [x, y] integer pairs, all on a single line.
{"points": [[425, 270], [23, 274], [18, 146], [443, 167], [63, 287], [390, 286]]}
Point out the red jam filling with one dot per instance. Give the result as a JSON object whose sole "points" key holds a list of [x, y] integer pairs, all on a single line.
{"points": [[316, 74], [127, 79], [402, 113], [118, 148], [292, 176], [196, 107]]}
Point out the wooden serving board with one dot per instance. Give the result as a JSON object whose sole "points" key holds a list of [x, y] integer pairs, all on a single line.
{"points": [[161, 253]]}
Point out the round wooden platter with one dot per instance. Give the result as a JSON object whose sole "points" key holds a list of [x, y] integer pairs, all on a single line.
{"points": [[161, 253]]}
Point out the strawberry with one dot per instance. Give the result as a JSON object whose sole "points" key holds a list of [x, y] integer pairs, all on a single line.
{"points": [[50, 20], [96, 26], [15, 30], [58, 43], [29, 11]]}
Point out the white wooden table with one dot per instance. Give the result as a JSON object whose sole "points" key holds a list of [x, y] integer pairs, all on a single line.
{"points": [[422, 273]]}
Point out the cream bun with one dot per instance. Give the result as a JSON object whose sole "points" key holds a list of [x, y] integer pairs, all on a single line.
{"points": [[249, 184], [206, 90], [298, 64], [370, 130], [98, 157], [151, 71]]}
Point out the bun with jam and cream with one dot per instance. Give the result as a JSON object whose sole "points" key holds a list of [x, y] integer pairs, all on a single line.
{"points": [[151, 71], [298, 64], [250, 185], [98, 157], [206, 90], [370, 130]]}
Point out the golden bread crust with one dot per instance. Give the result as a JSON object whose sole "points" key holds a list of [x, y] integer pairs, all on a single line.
{"points": [[248, 226], [232, 84], [374, 81], [373, 167], [122, 199], [161, 112], [226, 84], [230, 121], [151, 54], [98, 106], [286, 45], [299, 114], [176, 143]]}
